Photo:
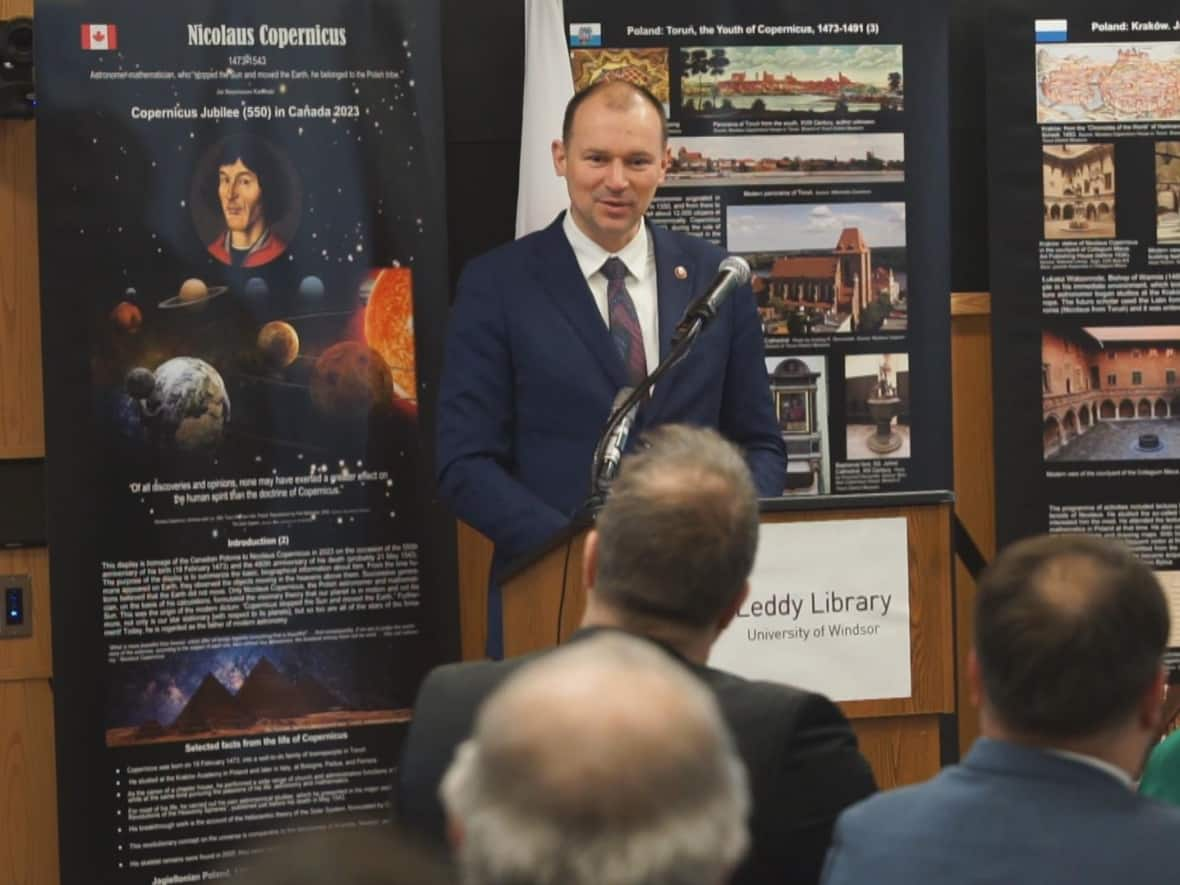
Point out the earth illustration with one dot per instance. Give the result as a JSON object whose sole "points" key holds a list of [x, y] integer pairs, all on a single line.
{"points": [[188, 407]]}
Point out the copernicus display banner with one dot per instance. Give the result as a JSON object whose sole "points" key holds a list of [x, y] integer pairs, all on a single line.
{"points": [[800, 141], [243, 290], [1084, 176]]}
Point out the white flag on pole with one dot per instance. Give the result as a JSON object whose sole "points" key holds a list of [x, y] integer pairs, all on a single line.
{"points": [[548, 86]]}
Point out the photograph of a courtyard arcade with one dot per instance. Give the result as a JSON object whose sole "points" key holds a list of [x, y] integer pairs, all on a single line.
{"points": [[1111, 393], [1079, 190]]}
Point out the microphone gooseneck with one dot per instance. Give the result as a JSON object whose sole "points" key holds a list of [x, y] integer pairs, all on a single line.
{"points": [[732, 272]]}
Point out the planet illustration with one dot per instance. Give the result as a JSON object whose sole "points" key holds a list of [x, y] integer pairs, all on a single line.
{"points": [[139, 383], [193, 292], [311, 287], [256, 287], [389, 326], [349, 380], [188, 406], [126, 317], [278, 343]]}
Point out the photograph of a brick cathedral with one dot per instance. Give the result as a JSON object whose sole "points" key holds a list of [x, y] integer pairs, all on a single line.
{"points": [[1111, 393], [823, 269]]}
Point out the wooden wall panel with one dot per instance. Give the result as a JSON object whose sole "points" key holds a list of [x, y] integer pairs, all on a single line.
{"points": [[31, 657], [28, 782], [28, 795], [22, 420], [974, 448]]}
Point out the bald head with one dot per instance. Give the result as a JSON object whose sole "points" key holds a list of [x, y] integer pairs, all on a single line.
{"points": [[605, 762], [1069, 633]]}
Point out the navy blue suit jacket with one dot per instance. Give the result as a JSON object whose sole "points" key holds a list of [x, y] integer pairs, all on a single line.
{"points": [[1007, 814], [530, 374]]}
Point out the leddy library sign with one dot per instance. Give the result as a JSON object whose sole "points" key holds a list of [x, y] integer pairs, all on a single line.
{"points": [[823, 620]]}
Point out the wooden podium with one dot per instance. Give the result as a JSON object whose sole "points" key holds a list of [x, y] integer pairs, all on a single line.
{"points": [[903, 738]]}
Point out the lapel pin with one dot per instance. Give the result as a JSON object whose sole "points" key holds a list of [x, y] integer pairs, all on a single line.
{"points": [[680, 272]]}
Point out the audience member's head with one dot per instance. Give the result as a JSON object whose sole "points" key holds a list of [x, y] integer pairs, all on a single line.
{"points": [[675, 543], [604, 763], [364, 856], [1070, 631]]}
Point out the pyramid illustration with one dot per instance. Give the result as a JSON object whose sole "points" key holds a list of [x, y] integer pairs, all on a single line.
{"points": [[212, 706], [267, 693], [317, 696]]}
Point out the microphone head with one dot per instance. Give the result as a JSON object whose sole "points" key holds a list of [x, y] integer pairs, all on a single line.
{"points": [[736, 265]]}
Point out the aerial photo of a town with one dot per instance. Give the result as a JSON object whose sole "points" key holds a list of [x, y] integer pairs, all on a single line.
{"points": [[1108, 82], [786, 159], [791, 82]]}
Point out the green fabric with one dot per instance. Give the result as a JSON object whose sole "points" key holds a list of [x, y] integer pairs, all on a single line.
{"points": [[1161, 775]]}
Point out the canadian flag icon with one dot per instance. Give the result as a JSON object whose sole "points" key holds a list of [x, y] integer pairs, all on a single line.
{"points": [[100, 37]]}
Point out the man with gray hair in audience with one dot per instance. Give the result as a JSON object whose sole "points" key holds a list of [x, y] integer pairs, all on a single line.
{"points": [[669, 561], [1070, 631], [603, 763]]}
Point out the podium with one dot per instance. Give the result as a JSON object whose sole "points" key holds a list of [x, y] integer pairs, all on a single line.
{"points": [[906, 740]]}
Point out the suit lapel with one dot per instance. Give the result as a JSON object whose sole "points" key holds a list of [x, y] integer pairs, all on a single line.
{"points": [[562, 279]]}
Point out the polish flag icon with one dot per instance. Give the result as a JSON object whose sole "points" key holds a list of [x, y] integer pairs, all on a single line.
{"points": [[100, 37]]}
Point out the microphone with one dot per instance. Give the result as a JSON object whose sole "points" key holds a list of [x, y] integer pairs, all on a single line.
{"points": [[612, 450], [731, 273]]}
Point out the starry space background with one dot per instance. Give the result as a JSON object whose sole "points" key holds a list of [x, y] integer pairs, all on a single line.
{"points": [[122, 229], [120, 234]]}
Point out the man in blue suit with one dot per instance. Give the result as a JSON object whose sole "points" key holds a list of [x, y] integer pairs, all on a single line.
{"points": [[1070, 632], [547, 330]]}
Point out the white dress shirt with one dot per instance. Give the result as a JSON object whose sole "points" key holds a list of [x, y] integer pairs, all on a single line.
{"points": [[639, 256]]}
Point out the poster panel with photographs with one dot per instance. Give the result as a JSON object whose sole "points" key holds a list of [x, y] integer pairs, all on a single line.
{"points": [[243, 288], [798, 141], [1085, 245]]}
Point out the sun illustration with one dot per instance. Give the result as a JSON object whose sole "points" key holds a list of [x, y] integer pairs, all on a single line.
{"points": [[389, 325]]}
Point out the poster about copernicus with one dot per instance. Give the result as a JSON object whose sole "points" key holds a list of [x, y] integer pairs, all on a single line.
{"points": [[1085, 245], [810, 139], [243, 288]]}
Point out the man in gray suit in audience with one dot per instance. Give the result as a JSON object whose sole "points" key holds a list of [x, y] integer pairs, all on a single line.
{"points": [[1069, 636], [603, 763]]}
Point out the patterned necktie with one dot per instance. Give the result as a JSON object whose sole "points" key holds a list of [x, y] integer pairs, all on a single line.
{"points": [[624, 321]]}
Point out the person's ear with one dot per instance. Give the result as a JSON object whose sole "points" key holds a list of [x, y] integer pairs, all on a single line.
{"points": [[590, 559], [734, 607], [1151, 705], [974, 680], [454, 832], [558, 149]]}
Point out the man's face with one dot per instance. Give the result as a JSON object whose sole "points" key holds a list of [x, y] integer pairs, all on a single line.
{"points": [[240, 194], [612, 164]]}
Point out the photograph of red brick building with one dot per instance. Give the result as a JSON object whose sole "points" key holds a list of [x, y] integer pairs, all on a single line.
{"points": [[1110, 393]]}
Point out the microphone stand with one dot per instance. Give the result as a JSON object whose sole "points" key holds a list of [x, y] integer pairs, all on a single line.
{"points": [[606, 456]]}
